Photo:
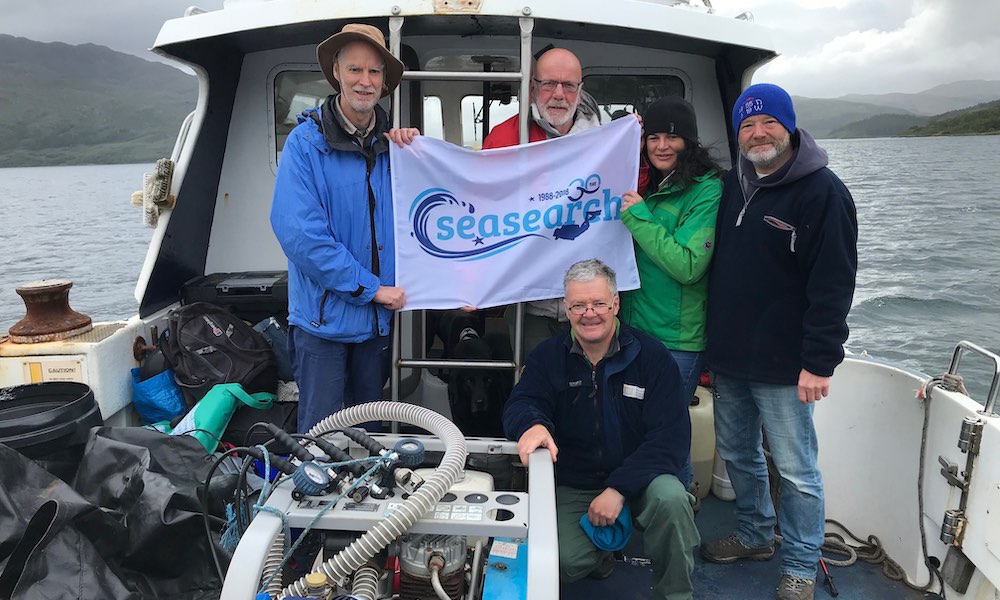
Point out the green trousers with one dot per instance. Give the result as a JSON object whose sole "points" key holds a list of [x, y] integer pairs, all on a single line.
{"points": [[662, 513]]}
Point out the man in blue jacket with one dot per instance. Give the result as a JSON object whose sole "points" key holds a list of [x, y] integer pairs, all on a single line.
{"points": [[332, 215], [780, 289], [605, 400]]}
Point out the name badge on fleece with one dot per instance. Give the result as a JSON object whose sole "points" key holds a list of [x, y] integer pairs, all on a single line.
{"points": [[634, 391]]}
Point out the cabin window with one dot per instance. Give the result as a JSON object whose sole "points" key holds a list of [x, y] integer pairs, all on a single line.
{"points": [[472, 117], [294, 92], [433, 125], [629, 92]]}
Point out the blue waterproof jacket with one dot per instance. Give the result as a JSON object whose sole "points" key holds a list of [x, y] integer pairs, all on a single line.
{"points": [[332, 215], [620, 424]]}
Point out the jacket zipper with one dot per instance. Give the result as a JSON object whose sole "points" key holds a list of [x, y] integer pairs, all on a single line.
{"points": [[746, 203], [597, 419], [322, 303]]}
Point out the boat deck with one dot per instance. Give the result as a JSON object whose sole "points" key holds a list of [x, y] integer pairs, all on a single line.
{"points": [[743, 580]]}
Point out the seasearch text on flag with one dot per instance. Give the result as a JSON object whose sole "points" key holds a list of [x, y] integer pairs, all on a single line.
{"points": [[501, 226]]}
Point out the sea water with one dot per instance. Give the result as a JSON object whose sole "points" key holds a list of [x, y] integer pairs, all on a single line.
{"points": [[929, 244]]}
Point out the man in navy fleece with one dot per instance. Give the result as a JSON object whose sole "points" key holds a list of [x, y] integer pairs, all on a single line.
{"points": [[605, 399], [780, 288]]}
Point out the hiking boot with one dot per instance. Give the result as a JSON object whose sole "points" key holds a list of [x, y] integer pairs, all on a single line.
{"points": [[794, 588], [605, 566], [731, 549]]}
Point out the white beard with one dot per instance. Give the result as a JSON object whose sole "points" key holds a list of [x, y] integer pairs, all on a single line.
{"points": [[561, 120]]}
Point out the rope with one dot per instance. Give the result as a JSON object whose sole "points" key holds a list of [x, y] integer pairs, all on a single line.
{"points": [[302, 536], [869, 551]]}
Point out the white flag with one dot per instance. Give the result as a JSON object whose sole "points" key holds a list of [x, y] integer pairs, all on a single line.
{"points": [[502, 226]]}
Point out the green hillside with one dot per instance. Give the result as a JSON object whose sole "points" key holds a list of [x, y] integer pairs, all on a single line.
{"points": [[980, 119], [822, 116], [885, 125], [87, 104]]}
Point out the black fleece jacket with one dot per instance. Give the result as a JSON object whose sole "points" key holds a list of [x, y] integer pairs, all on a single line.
{"points": [[619, 424], [783, 271]]}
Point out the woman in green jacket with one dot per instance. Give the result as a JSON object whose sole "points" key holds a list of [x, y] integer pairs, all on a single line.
{"points": [[674, 231]]}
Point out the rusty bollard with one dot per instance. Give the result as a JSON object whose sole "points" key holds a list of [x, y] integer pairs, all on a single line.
{"points": [[49, 317]]}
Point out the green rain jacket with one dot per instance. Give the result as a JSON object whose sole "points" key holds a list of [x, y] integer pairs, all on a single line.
{"points": [[674, 231]]}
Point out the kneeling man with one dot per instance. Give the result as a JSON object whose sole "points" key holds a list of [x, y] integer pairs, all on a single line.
{"points": [[605, 400]]}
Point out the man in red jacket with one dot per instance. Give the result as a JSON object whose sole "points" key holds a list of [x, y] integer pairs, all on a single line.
{"points": [[558, 106], [558, 103]]}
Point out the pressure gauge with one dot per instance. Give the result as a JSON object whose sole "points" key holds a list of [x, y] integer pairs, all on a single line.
{"points": [[310, 479], [411, 452]]}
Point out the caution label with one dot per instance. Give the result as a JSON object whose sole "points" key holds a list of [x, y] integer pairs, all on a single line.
{"points": [[40, 371]]}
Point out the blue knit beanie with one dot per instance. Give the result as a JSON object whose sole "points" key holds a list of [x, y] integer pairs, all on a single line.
{"points": [[764, 99]]}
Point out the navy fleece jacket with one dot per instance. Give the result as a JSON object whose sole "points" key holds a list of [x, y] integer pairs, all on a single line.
{"points": [[619, 424], [783, 272]]}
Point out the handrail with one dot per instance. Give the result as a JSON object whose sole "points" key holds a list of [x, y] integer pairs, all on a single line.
{"points": [[461, 76], [543, 543], [446, 363], [991, 397]]}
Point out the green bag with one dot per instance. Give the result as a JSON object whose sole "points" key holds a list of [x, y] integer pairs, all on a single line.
{"points": [[209, 417]]}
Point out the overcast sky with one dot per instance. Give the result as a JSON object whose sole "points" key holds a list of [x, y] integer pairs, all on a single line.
{"points": [[829, 47]]}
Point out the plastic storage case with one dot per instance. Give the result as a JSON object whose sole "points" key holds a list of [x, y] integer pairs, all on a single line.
{"points": [[253, 295]]}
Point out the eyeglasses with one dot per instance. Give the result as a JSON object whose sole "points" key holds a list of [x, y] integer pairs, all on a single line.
{"points": [[548, 85], [600, 308]]}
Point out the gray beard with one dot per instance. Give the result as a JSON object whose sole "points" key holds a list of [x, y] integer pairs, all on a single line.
{"points": [[768, 159]]}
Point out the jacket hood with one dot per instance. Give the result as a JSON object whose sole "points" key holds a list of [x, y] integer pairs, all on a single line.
{"points": [[807, 157], [326, 122]]}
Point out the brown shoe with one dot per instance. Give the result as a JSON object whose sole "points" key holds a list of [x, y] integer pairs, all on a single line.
{"points": [[605, 566], [794, 588], [731, 549]]}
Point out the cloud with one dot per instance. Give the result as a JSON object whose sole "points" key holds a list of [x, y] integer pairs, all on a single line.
{"points": [[939, 41]]}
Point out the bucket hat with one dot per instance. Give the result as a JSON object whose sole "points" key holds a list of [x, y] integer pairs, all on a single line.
{"points": [[327, 51]]}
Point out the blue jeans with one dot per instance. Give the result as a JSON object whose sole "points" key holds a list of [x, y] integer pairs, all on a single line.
{"points": [[330, 373], [741, 408], [691, 365]]}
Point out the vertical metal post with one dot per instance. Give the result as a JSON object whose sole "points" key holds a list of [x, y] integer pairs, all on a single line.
{"points": [[396, 47], [524, 107], [396, 339], [523, 95]]}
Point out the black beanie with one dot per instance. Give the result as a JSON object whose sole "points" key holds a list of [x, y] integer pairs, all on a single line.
{"points": [[671, 114]]}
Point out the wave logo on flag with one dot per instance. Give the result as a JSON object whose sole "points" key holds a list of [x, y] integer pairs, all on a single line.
{"points": [[447, 227]]}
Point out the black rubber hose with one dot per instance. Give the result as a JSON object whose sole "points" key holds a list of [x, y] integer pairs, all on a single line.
{"points": [[361, 437], [281, 436]]}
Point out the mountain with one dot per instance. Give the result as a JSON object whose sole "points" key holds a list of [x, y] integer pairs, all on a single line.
{"points": [[936, 100], [982, 118], [879, 115], [883, 125], [822, 116], [87, 104]]}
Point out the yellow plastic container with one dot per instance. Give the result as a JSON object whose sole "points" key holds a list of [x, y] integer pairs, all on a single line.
{"points": [[703, 440]]}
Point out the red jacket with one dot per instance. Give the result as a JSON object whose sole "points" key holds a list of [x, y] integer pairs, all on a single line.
{"points": [[506, 134]]}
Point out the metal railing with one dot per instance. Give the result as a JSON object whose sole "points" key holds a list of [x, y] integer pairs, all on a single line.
{"points": [[989, 409]]}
